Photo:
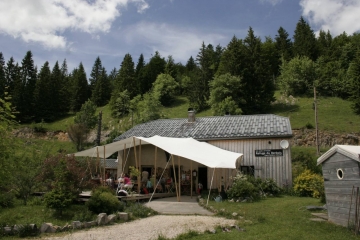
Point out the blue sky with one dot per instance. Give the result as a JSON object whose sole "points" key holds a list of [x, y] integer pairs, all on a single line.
{"points": [[81, 30]]}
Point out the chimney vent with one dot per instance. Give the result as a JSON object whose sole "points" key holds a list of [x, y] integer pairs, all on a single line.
{"points": [[191, 115]]}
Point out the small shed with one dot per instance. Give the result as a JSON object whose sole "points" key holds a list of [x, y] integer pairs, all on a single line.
{"points": [[341, 172]]}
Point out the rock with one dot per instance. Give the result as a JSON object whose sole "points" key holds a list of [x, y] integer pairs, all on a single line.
{"points": [[47, 228], [314, 208], [17, 228], [76, 224], [66, 227], [234, 214], [112, 218], [7, 230], [102, 219], [123, 216]]}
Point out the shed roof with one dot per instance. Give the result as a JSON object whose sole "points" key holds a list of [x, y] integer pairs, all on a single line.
{"points": [[111, 163], [350, 151], [216, 127]]}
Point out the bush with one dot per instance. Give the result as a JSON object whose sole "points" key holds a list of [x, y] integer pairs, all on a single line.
{"points": [[139, 210], [242, 187], [309, 184], [104, 201], [269, 186], [7, 200]]}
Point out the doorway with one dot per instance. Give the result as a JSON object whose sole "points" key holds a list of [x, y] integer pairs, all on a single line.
{"points": [[203, 177]]}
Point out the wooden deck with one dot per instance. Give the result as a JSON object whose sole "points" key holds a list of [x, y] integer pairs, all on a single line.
{"points": [[85, 196]]}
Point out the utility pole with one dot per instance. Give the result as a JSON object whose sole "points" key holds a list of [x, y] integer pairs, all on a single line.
{"points": [[98, 136], [316, 125]]}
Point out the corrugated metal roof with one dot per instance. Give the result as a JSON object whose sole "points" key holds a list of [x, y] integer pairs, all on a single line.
{"points": [[352, 152], [217, 127], [111, 163]]}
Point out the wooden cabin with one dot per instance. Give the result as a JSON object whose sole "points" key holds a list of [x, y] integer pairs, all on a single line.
{"points": [[263, 139], [341, 172]]}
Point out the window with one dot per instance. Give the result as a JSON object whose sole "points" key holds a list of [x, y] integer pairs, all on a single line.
{"points": [[248, 170], [340, 173]]}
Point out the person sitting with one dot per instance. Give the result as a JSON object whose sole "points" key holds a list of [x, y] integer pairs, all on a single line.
{"points": [[127, 182], [149, 185]]}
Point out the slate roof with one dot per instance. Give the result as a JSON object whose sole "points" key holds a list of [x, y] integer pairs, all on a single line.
{"points": [[111, 163], [217, 127]]}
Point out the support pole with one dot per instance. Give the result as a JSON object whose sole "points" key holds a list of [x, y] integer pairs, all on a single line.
{"points": [[139, 177], [212, 178], [136, 162], [179, 178], [176, 187], [316, 124], [104, 167], [154, 183], [191, 179]]}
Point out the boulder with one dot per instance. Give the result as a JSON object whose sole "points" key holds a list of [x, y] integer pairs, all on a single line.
{"points": [[76, 224], [102, 219], [112, 218], [47, 228], [7, 230], [123, 216]]}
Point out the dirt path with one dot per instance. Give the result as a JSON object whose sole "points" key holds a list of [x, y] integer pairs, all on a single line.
{"points": [[150, 228]]}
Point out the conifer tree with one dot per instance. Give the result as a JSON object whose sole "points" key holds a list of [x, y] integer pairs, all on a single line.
{"points": [[2, 76], [95, 84], [283, 44], [125, 80], [140, 73], [26, 106], [155, 66], [170, 67], [79, 88], [304, 40], [354, 76], [43, 94]]}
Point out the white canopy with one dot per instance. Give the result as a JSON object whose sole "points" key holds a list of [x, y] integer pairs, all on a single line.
{"points": [[189, 148]]}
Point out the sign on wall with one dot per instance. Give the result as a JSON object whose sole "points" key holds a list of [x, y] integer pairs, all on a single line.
{"points": [[269, 153]]}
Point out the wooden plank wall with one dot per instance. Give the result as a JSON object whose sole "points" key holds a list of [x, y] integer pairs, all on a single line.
{"points": [[339, 191], [277, 168]]}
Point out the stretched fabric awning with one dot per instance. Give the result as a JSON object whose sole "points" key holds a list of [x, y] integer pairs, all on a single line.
{"points": [[189, 148]]}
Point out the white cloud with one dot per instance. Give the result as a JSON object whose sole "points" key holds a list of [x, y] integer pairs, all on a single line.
{"points": [[273, 2], [179, 42], [44, 21], [334, 15]]}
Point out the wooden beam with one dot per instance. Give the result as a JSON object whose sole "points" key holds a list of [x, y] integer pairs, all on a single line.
{"points": [[176, 188], [139, 177], [104, 167], [179, 178], [191, 179]]}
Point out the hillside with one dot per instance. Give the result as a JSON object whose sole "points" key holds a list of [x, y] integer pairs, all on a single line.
{"points": [[337, 123]]}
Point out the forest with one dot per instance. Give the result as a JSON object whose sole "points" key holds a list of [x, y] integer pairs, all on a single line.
{"points": [[240, 78]]}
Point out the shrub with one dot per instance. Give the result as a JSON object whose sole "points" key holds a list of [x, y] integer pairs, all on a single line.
{"points": [[309, 184], [269, 186], [104, 201], [242, 187], [139, 210], [7, 200]]}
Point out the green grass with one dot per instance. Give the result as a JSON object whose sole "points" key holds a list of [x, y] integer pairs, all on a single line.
{"points": [[275, 218], [334, 114]]}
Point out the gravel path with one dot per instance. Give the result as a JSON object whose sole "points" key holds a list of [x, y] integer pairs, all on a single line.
{"points": [[150, 228]]}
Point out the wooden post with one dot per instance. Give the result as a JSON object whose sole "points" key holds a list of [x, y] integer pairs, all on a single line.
{"points": [[139, 177], [316, 125], [179, 178], [154, 183], [176, 187], [97, 162], [123, 163], [104, 167], [191, 179], [136, 162]]}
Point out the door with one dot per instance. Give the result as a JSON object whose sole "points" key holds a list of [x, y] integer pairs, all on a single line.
{"points": [[203, 177]]}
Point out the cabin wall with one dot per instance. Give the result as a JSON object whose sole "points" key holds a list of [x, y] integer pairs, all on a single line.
{"points": [[339, 192], [275, 167]]}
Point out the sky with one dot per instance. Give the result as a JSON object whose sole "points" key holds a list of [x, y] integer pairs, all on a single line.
{"points": [[82, 30]]}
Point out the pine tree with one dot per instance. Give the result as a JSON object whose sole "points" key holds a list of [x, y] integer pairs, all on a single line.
{"points": [[125, 80], [283, 44], [140, 73], [190, 65], [233, 58], [65, 89], [155, 66], [2, 76], [304, 40], [43, 94], [79, 88], [95, 84], [354, 76], [101, 92], [258, 86], [13, 81], [56, 86], [26, 106], [170, 67]]}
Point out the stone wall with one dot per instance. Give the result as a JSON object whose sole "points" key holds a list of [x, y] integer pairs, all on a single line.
{"points": [[307, 138]]}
